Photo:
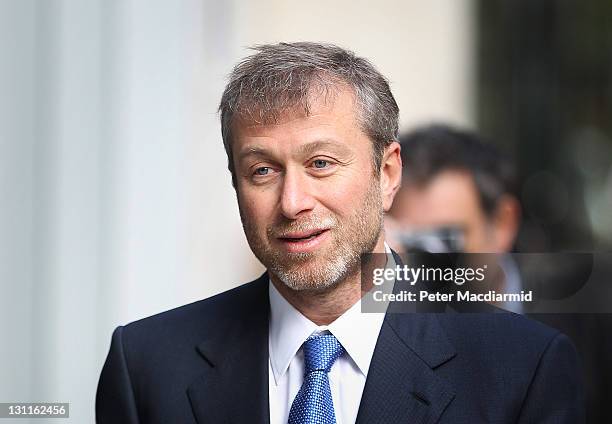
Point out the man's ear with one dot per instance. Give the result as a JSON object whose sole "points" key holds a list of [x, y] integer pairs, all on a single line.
{"points": [[506, 220], [390, 174]]}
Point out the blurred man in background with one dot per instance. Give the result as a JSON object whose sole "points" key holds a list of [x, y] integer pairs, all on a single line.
{"points": [[458, 194]]}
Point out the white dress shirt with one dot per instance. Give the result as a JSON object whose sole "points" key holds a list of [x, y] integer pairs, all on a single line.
{"points": [[356, 331]]}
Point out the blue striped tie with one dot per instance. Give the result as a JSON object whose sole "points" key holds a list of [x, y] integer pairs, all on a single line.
{"points": [[313, 403]]}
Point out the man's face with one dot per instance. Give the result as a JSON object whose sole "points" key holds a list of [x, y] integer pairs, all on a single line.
{"points": [[449, 199], [309, 200]]}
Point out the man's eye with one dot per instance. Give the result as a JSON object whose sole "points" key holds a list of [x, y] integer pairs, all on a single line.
{"points": [[264, 170], [320, 163]]}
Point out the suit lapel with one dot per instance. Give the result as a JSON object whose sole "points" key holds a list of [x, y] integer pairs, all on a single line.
{"points": [[402, 385], [234, 388]]}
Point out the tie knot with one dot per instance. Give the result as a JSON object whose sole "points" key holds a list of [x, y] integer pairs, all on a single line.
{"points": [[321, 351]]}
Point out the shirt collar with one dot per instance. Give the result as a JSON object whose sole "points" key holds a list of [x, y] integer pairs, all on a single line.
{"points": [[288, 330], [356, 331]]}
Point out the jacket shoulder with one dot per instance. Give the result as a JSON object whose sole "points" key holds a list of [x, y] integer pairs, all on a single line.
{"points": [[500, 338], [501, 326]]}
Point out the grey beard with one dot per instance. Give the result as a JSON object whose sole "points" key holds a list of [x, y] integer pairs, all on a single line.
{"points": [[321, 279]]}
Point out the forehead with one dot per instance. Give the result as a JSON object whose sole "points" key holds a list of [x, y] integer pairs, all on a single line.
{"points": [[331, 108]]}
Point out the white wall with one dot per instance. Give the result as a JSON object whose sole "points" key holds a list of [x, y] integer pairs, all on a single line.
{"points": [[116, 202], [425, 48]]}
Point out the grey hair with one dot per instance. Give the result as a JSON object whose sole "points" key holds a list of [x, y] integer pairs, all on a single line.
{"points": [[285, 76]]}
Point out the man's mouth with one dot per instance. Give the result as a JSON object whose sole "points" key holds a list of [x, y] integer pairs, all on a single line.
{"points": [[302, 235], [303, 241]]}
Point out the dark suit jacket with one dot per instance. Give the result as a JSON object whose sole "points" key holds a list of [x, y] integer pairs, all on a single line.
{"points": [[207, 362]]}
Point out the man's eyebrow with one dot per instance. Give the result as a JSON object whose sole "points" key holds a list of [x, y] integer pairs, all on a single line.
{"points": [[252, 151], [310, 148], [304, 150]]}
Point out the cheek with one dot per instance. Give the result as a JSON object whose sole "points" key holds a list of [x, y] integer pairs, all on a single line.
{"points": [[346, 194], [341, 201], [255, 208]]}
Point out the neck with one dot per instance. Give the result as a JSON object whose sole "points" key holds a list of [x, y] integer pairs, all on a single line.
{"points": [[324, 306]]}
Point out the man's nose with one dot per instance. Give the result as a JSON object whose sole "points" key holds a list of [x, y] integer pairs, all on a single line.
{"points": [[296, 196]]}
